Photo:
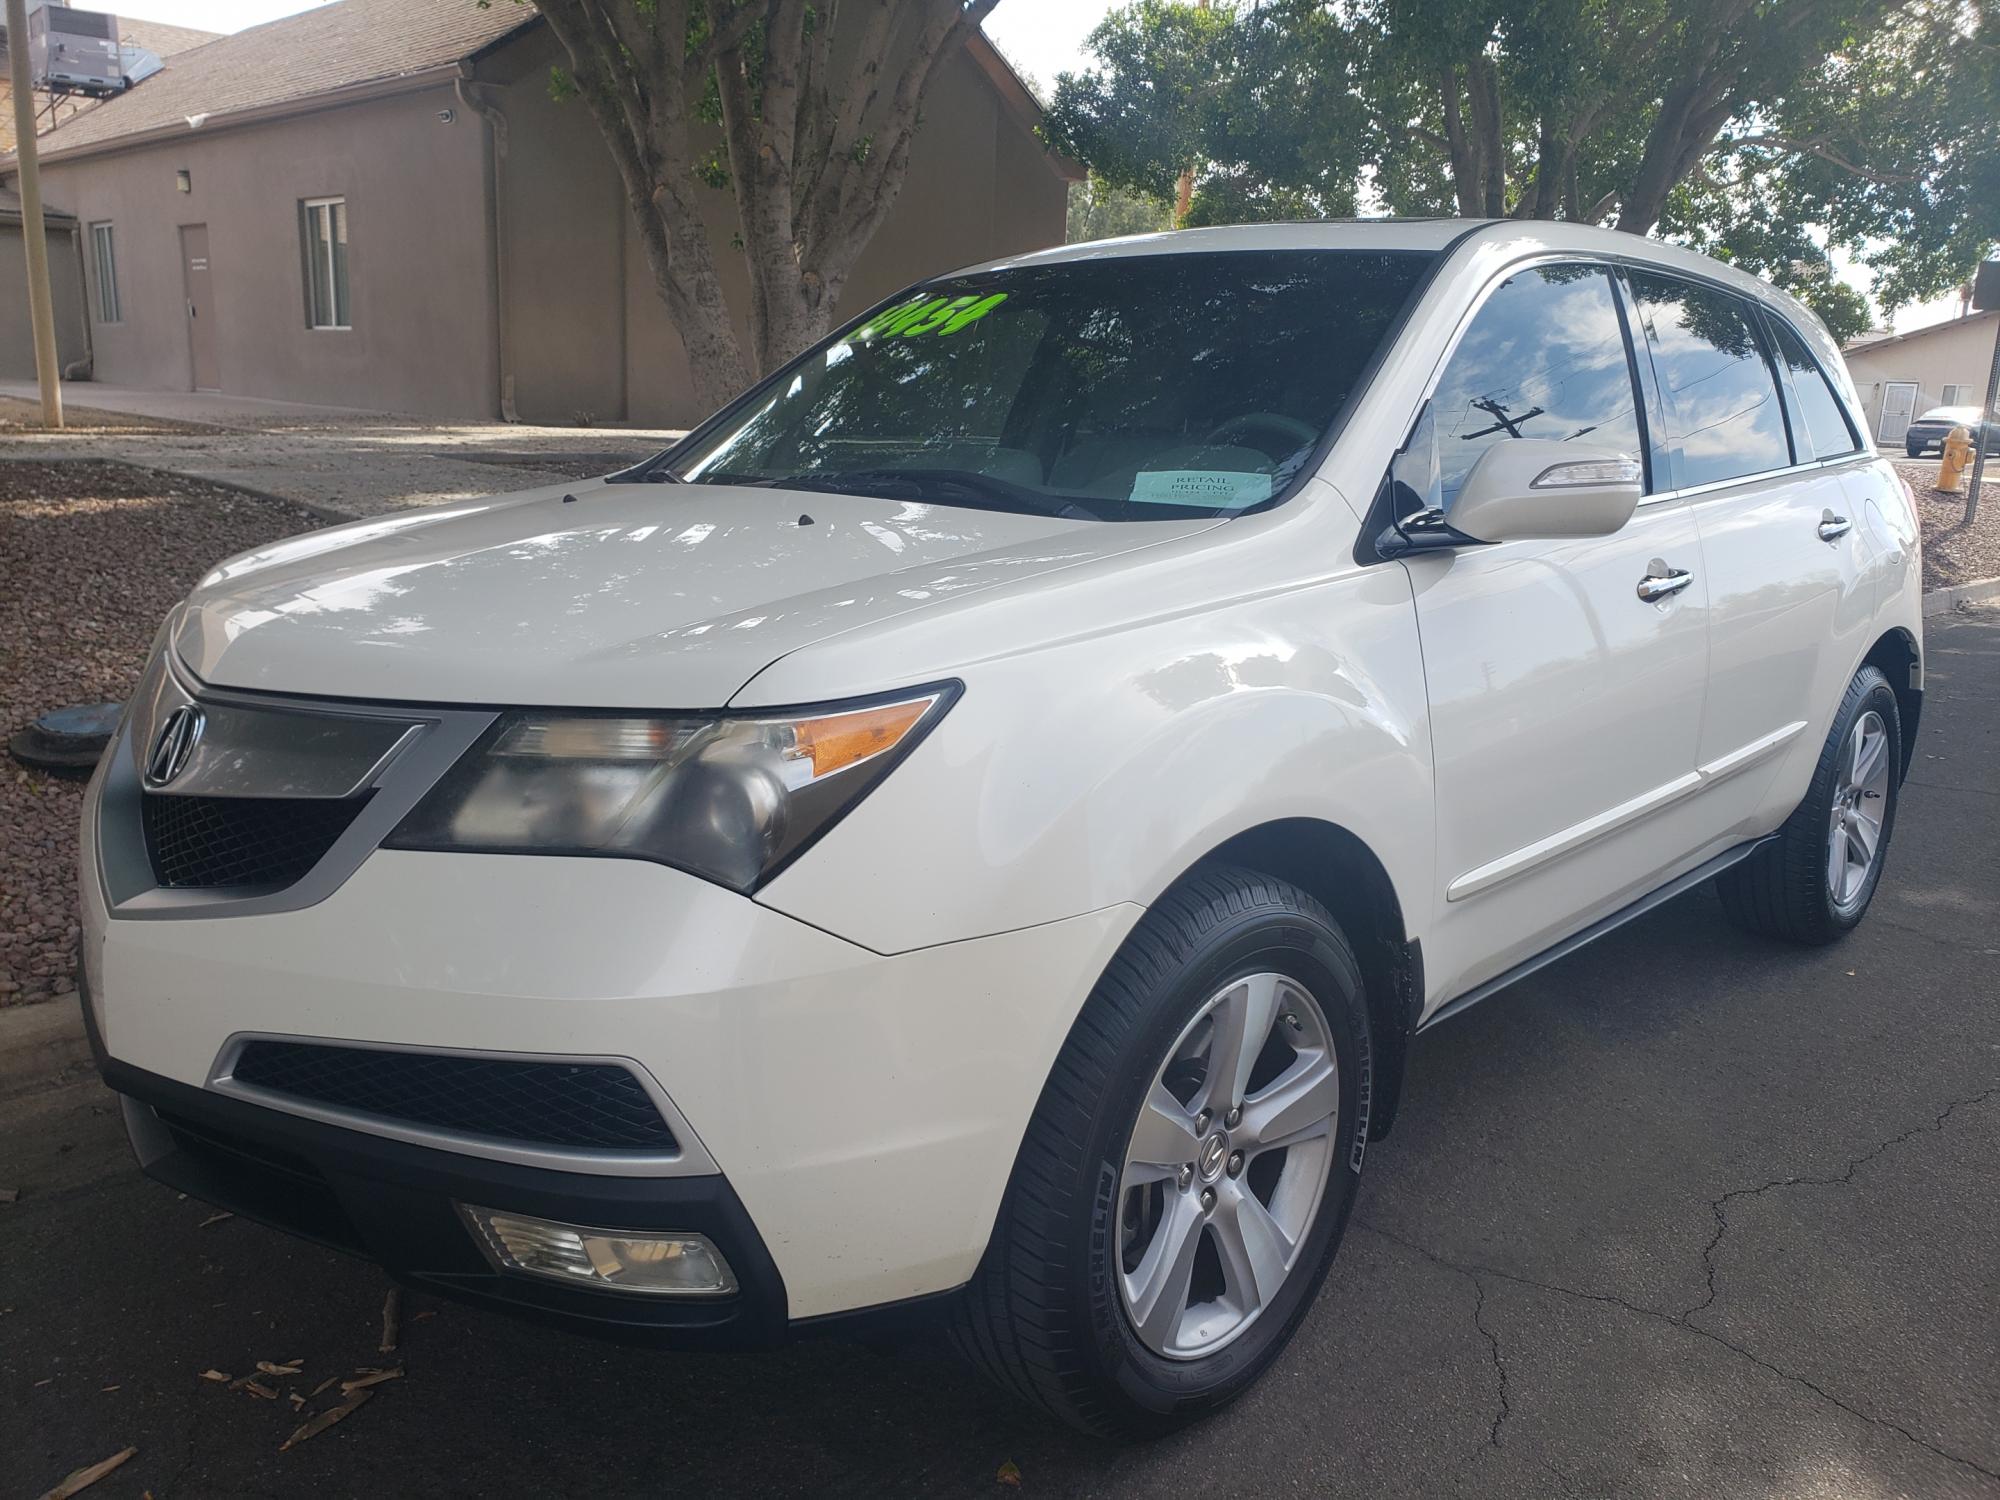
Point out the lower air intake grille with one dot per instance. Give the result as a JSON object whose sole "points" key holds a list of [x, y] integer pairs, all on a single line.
{"points": [[579, 1106], [240, 841]]}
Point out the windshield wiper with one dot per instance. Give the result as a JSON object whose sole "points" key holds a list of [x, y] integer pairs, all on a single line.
{"points": [[927, 484]]}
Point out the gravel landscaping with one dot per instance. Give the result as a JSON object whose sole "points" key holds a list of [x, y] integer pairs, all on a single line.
{"points": [[93, 556], [1955, 552]]}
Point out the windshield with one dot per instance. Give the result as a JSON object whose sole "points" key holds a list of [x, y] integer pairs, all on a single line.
{"points": [[1126, 388]]}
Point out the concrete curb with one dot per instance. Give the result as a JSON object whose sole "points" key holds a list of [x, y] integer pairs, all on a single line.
{"points": [[1944, 601], [42, 1045]]}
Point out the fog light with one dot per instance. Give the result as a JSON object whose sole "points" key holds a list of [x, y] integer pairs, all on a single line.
{"points": [[668, 1265]]}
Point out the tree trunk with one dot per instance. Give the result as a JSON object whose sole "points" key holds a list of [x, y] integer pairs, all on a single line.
{"points": [[1482, 86], [1468, 172], [816, 161]]}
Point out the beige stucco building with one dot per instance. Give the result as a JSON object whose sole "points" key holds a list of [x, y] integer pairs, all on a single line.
{"points": [[379, 203], [1905, 375]]}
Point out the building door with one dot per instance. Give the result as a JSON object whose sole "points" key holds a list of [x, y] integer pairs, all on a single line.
{"points": [[199, 285], [1899, 404]]}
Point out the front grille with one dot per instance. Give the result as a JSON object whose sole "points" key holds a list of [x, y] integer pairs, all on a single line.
{"points": [[240, 841], [578, 1106]]}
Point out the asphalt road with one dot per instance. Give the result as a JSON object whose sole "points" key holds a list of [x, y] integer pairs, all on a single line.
{"points": [[1687, 1214]]}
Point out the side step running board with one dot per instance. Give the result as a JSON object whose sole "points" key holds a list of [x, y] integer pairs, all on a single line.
{"points": [[1596, 930]]}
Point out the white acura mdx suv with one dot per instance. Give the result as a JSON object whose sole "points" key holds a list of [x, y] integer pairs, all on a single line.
{"points": [[975, 827]]}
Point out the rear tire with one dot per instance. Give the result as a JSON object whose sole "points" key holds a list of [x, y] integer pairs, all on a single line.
{"points": [[1812, 885], [1080, 1305]]}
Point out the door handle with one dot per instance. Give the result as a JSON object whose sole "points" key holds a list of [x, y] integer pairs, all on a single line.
{"points": [[1659, 585], [1832, 528]]}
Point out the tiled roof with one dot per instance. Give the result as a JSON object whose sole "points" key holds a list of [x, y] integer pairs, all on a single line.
{"points": [[319, 51], [160, 39]]}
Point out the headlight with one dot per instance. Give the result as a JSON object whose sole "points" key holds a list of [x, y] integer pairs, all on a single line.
{"points": [[728, 797]]}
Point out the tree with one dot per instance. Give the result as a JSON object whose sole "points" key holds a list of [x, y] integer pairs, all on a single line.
{"points": [[1766, 129], [1099, 211], [815, 102]]}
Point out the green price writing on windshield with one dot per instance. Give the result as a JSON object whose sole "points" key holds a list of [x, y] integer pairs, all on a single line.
{"points": [[928, 315]]}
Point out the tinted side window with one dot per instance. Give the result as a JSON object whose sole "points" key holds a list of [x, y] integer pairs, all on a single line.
{"points": [[1827, 433], [1544, 358], [1717, 380]]}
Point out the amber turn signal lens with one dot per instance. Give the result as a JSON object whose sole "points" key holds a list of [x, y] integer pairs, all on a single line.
{"points": [[838, 741]]}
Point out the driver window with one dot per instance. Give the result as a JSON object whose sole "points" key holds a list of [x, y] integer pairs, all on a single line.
{"points": [[1544, 358]]}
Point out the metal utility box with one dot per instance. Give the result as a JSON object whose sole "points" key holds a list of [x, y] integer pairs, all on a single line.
{"points": [[74, 51]]}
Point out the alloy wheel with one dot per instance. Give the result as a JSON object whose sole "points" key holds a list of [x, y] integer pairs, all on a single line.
{"points": [[1226, 1166], [1861, 791]]}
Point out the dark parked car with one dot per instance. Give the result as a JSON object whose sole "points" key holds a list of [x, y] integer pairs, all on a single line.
{"points": [[1928, 432]]}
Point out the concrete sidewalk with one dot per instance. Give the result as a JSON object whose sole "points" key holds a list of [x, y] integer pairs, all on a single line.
{"points": [[339, 462]]}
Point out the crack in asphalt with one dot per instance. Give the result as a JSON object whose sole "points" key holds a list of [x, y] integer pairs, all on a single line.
{"points": [[1506, 1408], [1720, 1207], [1681, 1320]]}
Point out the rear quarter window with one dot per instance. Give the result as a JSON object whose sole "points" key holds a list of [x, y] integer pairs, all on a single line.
{"points": [[1827, 432]]}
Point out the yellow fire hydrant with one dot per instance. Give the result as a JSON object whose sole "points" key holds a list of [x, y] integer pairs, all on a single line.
{"points": [[1957, 459]]}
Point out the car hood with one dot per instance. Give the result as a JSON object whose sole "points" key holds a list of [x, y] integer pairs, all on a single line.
{"points": [[604, 595]]}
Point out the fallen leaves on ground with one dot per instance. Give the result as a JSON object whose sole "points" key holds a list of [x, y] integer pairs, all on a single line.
{"points": [[391, 1309], [1010, 1473], [314, 1427], [85, 1477]]}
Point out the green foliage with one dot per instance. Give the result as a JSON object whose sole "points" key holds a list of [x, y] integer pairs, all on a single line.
{"points": [[1762, 130], [1254, 102], [562, 86], [1099, 211]]}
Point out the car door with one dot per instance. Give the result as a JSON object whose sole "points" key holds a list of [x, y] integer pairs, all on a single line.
{"points": [[1780, 547], [1565, 705]]}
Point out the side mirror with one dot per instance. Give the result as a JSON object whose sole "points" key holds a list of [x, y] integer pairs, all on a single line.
{"points": [[1533, 489]]}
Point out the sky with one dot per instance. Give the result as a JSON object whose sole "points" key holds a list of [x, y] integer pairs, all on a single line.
{"points": [[1040, 37]]}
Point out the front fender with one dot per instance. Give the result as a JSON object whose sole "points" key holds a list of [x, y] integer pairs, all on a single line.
{"points": [[1092, 772]]}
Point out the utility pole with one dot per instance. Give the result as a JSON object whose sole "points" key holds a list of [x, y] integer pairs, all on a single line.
{"points": [[1985, 294], [40, 310]]}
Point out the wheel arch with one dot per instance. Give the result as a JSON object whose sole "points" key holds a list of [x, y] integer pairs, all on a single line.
{"points": [[1899, 656], [1340, 871]]}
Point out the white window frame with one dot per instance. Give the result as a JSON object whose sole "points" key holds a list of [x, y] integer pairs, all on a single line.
{"points": [[1956, 395], [343, 315], [104, 273]]}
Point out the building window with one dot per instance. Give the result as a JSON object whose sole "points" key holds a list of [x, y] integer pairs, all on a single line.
{"points": [[1956, 395], [105, 256], [323, 226]]}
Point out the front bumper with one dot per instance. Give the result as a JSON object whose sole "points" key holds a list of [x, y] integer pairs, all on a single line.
{"points": [[860, 1111], [396, 1203]]}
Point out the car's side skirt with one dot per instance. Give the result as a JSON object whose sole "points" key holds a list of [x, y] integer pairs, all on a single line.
{"points": [[1596, 930]]}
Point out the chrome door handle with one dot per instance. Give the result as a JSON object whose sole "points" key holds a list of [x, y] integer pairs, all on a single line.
{"points": [[1656, 586], [1832, 528]]}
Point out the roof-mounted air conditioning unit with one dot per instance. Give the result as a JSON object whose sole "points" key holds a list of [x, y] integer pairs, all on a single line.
{"points": [[74, 51]]}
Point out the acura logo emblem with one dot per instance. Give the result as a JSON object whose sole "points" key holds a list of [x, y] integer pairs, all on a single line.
{"points": [[175, 743]]}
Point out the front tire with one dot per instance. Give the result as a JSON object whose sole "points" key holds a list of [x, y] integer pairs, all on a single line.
{"points": [[1189, 1168], [1814, 882]]}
